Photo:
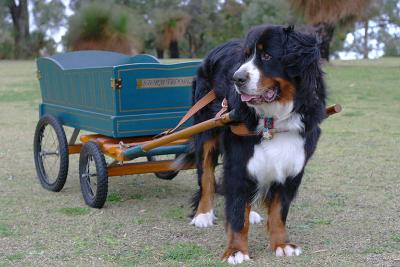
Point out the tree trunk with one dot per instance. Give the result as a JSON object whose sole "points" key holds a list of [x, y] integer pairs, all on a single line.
{"points": [[192, 48], [174, 49], [160, 52], [365, 44], [20, 18], [325, 32]]}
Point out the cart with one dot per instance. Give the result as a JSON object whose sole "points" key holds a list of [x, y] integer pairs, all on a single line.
{"points": [[125, 103], [124, 100]]}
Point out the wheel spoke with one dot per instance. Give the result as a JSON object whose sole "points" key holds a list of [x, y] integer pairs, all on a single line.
{"points": [[91, 183], [49, 153]]}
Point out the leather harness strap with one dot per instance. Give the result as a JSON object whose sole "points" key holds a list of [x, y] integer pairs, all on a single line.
{"points": [[238, 128], [204, 101], [242, 130], [224, 108]]}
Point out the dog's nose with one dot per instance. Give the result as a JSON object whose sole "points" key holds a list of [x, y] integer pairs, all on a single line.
{"points": [[240, 78]]}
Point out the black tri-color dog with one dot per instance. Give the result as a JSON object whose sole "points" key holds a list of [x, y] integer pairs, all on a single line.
{"points": [[272, 79]]}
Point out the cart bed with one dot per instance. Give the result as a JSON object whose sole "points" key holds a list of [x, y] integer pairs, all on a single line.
{"points": [[113, 94]]}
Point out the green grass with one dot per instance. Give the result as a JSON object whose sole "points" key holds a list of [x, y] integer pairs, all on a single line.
{"points": [[15, 257], [346, 212], [175, 213], [184, 252], [114, 197], [75, 211], [395, 237], [5, 230]]}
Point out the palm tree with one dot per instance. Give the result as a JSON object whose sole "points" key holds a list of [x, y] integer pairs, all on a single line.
{"points": [[99, 27], [325, 15], [170, 26]]}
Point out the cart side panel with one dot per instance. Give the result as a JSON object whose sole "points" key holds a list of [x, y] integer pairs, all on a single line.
{"points": [[80, 119], [155, 88], [85, 89], [153, 97], [147, 124]]}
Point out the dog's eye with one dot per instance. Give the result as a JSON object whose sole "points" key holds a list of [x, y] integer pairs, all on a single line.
{"points": [[265, 56]]}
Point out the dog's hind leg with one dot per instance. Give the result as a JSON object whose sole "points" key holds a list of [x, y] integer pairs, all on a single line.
{"points": [[204, 198]]}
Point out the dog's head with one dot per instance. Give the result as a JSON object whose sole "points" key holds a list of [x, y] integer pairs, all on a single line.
{"points": [[280, 70]]}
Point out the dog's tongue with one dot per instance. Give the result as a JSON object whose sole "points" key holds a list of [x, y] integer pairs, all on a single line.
{"points": [[247, 98]]}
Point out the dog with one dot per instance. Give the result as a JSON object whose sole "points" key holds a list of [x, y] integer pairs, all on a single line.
{"points": [[273, 76]]}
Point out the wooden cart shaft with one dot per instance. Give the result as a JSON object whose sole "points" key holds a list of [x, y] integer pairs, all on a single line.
{"points": [[125, 149]]}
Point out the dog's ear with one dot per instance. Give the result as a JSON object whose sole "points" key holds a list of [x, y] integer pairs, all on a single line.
{"points": [[252, 37], [301, 51], [302, 63]]}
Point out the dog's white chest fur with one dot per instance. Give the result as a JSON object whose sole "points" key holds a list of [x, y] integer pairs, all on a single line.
{"points": [[281, 157]]}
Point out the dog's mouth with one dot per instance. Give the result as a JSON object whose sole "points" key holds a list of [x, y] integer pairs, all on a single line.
{"points": [[268, 96]]}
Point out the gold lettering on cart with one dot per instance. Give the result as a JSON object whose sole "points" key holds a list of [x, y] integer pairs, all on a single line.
{"points": [[164, 82]]}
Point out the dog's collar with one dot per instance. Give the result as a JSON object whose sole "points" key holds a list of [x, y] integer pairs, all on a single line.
{"points": [[265, 129], [268, 125]]}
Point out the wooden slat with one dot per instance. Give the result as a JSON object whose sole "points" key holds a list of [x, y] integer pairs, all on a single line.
{"points": [[74, 149], [110, 146], [105, 139], [143, 167]]}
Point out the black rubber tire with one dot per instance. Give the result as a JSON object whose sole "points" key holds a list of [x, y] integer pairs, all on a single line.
{"points": [[59, 182], [164, 175], [98, 198]]}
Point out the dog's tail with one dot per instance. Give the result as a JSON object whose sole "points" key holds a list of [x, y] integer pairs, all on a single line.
{"points": [[185, 160]]}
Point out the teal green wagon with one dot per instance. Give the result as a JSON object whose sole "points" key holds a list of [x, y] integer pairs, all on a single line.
{"points": [[122, 102]]}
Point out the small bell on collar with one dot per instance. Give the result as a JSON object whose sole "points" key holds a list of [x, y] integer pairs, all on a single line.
{"points": [[267, 135], [268, 126]]}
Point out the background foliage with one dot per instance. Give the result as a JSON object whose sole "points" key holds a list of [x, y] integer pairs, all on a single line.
{"points": [[190, 28]]}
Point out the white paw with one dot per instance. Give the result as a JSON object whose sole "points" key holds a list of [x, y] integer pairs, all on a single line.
{"points": [[288, 250], [255, 218], [203, 220], [238, 258]]}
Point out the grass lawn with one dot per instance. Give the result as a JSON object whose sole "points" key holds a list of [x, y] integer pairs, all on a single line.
{"points": [[347, 211]]}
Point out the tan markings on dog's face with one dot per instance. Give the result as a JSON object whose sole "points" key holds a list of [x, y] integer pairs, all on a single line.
{"points": [[260, 46], [287, 90]]}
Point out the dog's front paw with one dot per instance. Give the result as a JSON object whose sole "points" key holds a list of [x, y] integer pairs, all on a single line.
{"points": [[287, 250], [235, 258], [203, 220], [255, 218]]}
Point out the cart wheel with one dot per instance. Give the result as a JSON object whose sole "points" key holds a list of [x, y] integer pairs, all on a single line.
{"points": [[164, 175], [93, 175], [50, 151]]}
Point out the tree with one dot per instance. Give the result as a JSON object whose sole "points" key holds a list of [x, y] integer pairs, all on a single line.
{"points": [[326, 15], [203, 15], [267, 11], [14, 22], [104, 27], [169, 26], [6, 38], [379, 23], [20, 19]]}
